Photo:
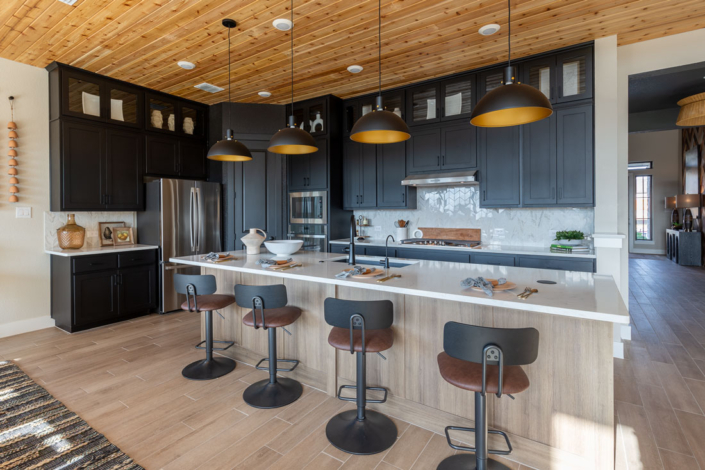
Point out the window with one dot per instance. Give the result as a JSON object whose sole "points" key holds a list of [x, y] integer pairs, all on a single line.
{"points": [[642, 207], [633, 166]]}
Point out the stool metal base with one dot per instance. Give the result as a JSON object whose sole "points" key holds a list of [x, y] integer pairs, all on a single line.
{"points": [[372, 435], [206, 369], [469, 462], [264, 394]]}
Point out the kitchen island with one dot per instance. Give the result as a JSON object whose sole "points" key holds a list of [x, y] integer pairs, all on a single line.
{"points": [[564, 420]]}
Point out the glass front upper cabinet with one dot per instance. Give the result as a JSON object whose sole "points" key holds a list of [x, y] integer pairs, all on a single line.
{"points": [[317, 123], [457, 97], [423, 104], [161, 114], [125, 106], [574, 75], [490, 80], [541, 74], [351, 113], [82, 95], [392, 101], [191, 121]]}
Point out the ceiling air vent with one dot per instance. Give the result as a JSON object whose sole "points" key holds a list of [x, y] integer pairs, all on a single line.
{"points": [[68, 2], [209, 88]]}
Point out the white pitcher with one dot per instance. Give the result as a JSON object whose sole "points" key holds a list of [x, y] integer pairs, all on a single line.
{"points": [[253, 241]]}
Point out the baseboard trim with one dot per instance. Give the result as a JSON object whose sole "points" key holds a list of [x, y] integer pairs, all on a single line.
{"points": [[618, 350], [25, 326]]}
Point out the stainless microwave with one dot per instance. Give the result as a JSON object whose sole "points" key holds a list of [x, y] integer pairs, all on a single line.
{"points": [[309, 207]]}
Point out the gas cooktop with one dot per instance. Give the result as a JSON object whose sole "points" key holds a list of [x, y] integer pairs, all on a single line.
{"points": [[439, 242]]}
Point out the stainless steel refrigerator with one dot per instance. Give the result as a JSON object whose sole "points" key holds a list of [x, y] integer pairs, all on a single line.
{"points": [[184, 218]]}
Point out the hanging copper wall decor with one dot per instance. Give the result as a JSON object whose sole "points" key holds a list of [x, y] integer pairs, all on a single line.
{"points": [[13, 153]]}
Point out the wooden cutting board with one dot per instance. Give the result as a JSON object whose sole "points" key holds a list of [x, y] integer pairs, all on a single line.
{"points": [[469, 234]]}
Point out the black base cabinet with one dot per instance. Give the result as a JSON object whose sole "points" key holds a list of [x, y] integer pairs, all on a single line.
{"points": [[94, 290]]}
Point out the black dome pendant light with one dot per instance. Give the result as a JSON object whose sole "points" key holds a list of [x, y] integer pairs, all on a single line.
{"points": [[292, 140], [380, 126], [229, 150], [513, 103]]}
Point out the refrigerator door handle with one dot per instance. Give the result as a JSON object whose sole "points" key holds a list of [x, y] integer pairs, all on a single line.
{"points": [[198, 226], [190, 220]]}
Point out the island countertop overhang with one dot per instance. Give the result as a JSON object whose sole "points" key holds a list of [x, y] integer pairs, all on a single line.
{"points": [[575, 294]]}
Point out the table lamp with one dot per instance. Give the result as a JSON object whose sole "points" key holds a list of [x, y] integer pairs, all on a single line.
{"points": [[686, 201]]}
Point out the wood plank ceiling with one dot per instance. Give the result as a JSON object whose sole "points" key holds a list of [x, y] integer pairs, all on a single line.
{"points": [[140, 41]]}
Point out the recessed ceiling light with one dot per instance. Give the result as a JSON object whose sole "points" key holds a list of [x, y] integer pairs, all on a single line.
{"points": [[68, 2], [186, 65], [355, 69], [282, 24], [264, 94], [489, 29]]}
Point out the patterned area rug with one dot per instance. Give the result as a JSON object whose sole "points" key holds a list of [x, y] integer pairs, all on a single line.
{"points": [[39, 432]]}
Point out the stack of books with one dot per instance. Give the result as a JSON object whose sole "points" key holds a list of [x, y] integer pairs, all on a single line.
{"points": [[569, 249]]}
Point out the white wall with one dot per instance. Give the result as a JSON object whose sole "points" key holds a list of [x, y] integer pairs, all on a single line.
{"points": [[663, 149], [24, 268]]}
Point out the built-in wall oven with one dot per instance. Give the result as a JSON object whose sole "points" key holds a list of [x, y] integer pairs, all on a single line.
{"points": [[314, 236], [309, 207]]}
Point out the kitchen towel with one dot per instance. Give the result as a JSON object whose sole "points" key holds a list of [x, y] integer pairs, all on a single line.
{"points": [[268, 263], [482, 283], [355, 271]]}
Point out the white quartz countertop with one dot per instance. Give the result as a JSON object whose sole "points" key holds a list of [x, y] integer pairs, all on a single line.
{"points": [[575, 294], [499, 249], [100, 250]]}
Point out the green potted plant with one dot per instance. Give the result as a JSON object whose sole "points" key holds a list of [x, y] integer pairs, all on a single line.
{"points": [[569, 237]]}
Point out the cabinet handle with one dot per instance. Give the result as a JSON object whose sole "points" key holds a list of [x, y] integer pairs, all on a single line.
{"points": [[95, 264], [438, 160], [443, 157], [553, 191], [403, 198], [484, 195]]}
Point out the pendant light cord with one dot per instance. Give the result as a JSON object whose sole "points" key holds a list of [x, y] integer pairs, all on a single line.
{"points": [[292, 57], [509, 35], [230, 105], [379, 44]]}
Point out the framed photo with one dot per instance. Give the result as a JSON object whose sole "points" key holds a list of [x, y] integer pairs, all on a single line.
{"points": [[106, 232], [123, 236]]}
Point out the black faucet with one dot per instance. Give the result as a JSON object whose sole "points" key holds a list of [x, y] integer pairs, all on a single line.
{"points": [[353, 234], [386, 251]]}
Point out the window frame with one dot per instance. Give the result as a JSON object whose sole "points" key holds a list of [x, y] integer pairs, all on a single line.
{"points": [[650, 218]]}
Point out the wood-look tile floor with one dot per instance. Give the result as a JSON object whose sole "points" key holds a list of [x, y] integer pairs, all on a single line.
{"points": [[660, 384], [125, 381]]}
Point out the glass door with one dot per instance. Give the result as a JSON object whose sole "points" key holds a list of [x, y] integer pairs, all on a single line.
{"points": [[457, 97], [82, 95], [423, 104], [317, 122], [490, 80], [125, 106], [161, 114], [541, 74], [192, 121], [351, 113], [574, 75]]}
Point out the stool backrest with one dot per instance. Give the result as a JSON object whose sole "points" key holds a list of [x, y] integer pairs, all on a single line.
{"points": [[520, 346], [378, 314], [273, 296], [204, 284]]}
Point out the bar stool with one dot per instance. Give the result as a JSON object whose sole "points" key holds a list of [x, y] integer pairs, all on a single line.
{"points": [[271, 302], [361, 327], [484, 360], [201, 297]]}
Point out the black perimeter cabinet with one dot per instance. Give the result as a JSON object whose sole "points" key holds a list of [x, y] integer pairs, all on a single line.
{"points": [[93, 290], [104, 140]]}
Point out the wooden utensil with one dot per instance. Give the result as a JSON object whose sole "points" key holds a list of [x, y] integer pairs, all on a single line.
{"points": [[498, 288], [280, 265], [389, 278]]}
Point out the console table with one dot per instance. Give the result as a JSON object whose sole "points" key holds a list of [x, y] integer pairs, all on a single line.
{"points": [[684, 248]]}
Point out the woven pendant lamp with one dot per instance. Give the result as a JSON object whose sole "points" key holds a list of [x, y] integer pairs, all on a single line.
{"points": [[692, 111]]}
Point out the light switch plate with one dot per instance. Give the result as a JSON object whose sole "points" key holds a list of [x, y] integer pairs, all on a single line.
{"points": [[23, 212]]}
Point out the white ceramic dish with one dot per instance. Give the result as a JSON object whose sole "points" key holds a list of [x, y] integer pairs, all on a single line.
{"points": [[283, 248], [569, 242]]}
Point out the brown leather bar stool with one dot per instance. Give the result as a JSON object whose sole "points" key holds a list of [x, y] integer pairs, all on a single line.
{"points": [[484, 360], [361, 327], [269, 311], [201, 297]]}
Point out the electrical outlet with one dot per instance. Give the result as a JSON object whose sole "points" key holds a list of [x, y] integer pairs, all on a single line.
{"points": [[378, 228], [23, 213]]}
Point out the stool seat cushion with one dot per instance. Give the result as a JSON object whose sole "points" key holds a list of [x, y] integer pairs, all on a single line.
{"points": [[375, 340], [468, 375], [210, 302], [274, 317]]}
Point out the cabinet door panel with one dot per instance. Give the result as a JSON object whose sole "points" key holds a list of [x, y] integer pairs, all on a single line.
{"points": [[137, 289], [459, 147], [433, 255], [541, 74], [94, 298], [351, 174], [162, 156], [318, 167], [575, 157], [499, 166], [368, 176], [83, 160], [563, 264], [574, 75], [82, 95], [424, 150], [539, 162], [124, 186], [192, 160], [391, 170], [423, 104], [298, 171], [494, 260], [254, 193]]}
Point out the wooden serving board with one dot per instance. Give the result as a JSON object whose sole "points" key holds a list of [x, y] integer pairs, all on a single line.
{"points": [[469, 234], [507, 286], [275, 266], [372, 272]]}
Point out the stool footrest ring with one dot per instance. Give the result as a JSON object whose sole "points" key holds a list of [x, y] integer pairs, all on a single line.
{"points": [[289, 361], [229, 345], [354, 387], [473, 449]]}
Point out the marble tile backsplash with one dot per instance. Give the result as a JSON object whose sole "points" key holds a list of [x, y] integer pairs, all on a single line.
{"points": [[459, 207], [87, 220]]}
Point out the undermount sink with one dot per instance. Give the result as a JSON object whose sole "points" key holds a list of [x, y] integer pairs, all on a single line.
{"points": [[371, 261]]}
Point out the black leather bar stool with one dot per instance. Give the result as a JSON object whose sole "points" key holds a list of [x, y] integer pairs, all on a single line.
{"points": [[484, 360], [269, 311], [361, 327], [201, 297]]}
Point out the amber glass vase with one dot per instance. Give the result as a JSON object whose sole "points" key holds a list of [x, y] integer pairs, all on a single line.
{"points": [[71, 236]]}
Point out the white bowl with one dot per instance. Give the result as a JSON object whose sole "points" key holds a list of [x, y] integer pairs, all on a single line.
{"points": [[283, 248]]}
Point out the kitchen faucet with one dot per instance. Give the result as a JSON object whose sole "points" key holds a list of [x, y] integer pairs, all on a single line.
{"points": [[351, 255], [386, 251]]}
